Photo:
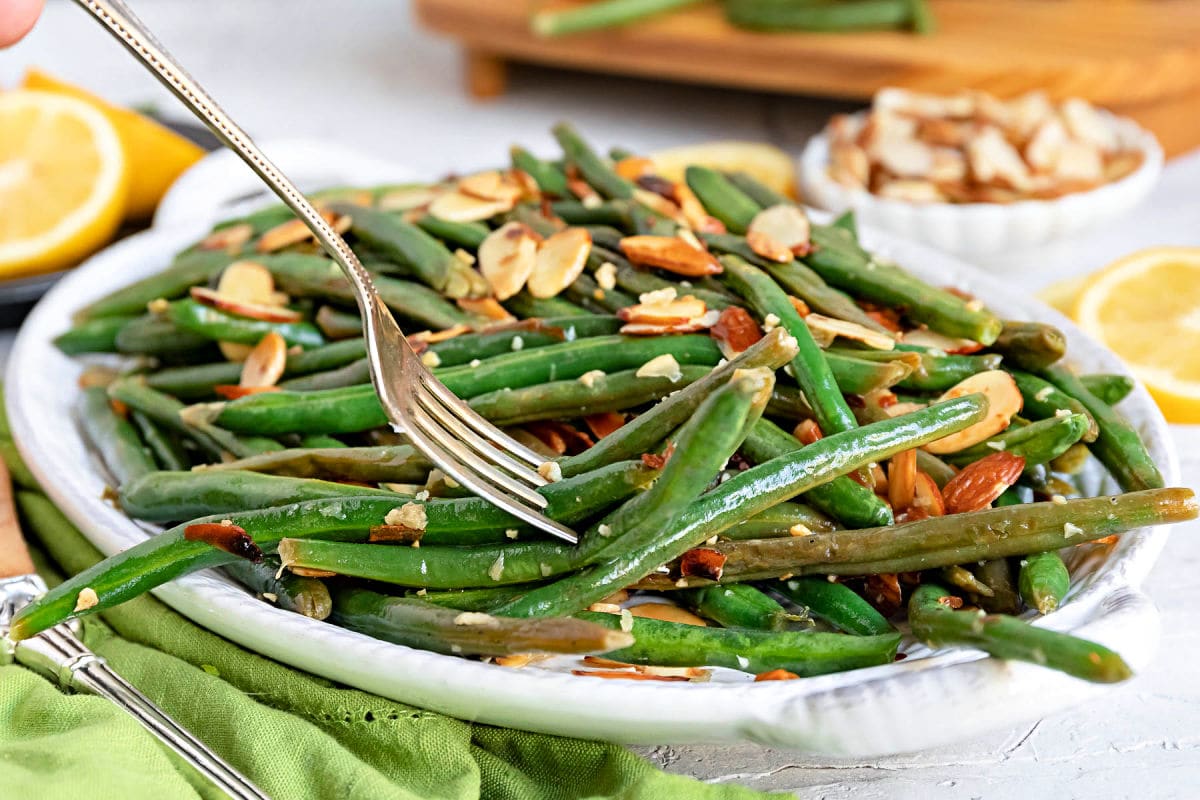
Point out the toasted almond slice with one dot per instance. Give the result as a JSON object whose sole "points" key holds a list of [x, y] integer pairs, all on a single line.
{"points": [[994, 160], [491, 185], [1028, 111], [669, 313], [942, 132], [1079, 161], [693, 210], [902, 479], [670, 253], [485, 307], [235, 352], [266, 362], [667, 613], [459, 207], [927, 497], [662, 366], [432, 337], [583, 190], [518, 660], [923, 337], [911, 191], [659, 205], [845, 127], [775, 675], [900, 409], [1045, 145], [633, 167], [661, 329], [406, 198], [786, 224], [242, 308], [948, 165], [735, 331], [769, 248], [560, 260], [230, 239], [230, 392], [1122, 164], [905, 158], [919, 104], [294, 231], [1004, 401], [850, 330], [627, 676], [507, 258], [1086, 123], [849, 165], [251, 282]]}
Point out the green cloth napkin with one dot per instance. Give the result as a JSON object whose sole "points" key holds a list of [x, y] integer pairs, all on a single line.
{"points": [[294, 734]]}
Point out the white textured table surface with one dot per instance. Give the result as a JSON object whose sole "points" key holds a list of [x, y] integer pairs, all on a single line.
{"points": [[360, 73]]}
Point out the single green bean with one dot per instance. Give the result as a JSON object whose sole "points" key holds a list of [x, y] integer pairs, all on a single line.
{"points": [[153, 335], [212, 323], [381, 464], [1044, 581], [721, 198], [837, 604], [1111, 388], [788, 15], [460, 234], [996, 574], [114, 437], [1038, 443], [92, 336], [739, 605], [601, 15], [549, 178], [1031, 346], [595, 170], [187, 270], [306, 596], [167, 450]]}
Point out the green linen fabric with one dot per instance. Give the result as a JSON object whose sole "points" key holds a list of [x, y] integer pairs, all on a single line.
{"points": [[294, 734]]}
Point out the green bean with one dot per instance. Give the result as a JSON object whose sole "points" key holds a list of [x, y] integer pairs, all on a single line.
{"points": [[757, 191], [837, 604], [1072, 460], [671, 644], [997, 576], [306, 596], [212, 323], [113, 436], [153, 335], [945, 541], [1044, 581], [789, 402], [618, 214], [407, 244], [847, 222], [738, 605], [937, 373], [166, 448], [721, 198], [844, 265], [92, 336], [187, 270], [1007, 637], [787, 15], [806, 284], [383, 464], [1044, 400], [176, 496], [353, 374], [651, 223], [549, 178], [855, 375], [460, 234], [338, 324], [1118, 446], [472, 599], [812, 370], [605, 237], [601, 15], [357, 408], [1031, 346], [964, 579], [531, 334], [416, 623], [586, 292], [595, 170], [780, 520], [523, 304], [260, 221], [1110, 388], [853, 504], [641, 434], [314, 276], [638, 281], [573, 398], [1038, 443]]}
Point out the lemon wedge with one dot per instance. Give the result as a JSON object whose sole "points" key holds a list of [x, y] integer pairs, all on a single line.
{"points": [[1146, 308], [63, 182], [765, 163]]}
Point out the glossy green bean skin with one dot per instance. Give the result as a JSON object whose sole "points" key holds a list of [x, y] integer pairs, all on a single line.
{"points": [[937, 373], [835, 603], [602, 15], [190, 268], [1118, 446], [567, 399], [779, 520], [1002, 597], [1043, 581], [357, 408], [855, 375], [1007, 637], [803, 282], [1111, 388], [844, 265], [167, 451], [721, 198], [416, 623], [1043, 400], [788, 15], [523, 304], [532, 334], [461, 234], [810, 365], [306, 596], [1031, 346], [853, 504], [805, 654], [153, 335], [549, 178], [353, 374], [92, 336], [738, 605], [1038, 443], [757, 191], [169, 555], [336, 323], [212, 323], [595, 170], [114, 437], [175, 496], [381, 464]]}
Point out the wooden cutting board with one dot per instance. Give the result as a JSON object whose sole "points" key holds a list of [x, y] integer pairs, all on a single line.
{"points": [[1138, 57]]}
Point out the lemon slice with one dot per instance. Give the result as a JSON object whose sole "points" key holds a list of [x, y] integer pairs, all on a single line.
{"points": [[62, 182], [1146, 308], [155, 154], [766, 163]]}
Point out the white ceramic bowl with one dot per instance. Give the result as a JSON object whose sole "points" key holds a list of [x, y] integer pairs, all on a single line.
{"points": [[925, 700], [981, 229]]}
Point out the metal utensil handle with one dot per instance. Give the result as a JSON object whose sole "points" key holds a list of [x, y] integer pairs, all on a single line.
{"points": [[121, 22]]}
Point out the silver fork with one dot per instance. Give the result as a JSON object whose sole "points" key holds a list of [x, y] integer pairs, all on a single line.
{"points": [[463, 444]]}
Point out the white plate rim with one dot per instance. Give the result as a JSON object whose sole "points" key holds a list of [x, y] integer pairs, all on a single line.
{"points": [[905, 706]]}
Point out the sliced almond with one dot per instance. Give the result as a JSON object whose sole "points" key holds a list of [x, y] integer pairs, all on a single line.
{"points": [[831, 326], [664, 329], [663, 366], [249, 281], [911, 191], [659, 205], [633, 167], [491, 185], [923, 337], [942, 132], [1045, 145], [979, 483], [902, 479], [784, 223], [230, 239], [994, 160], [735, 331], [230, 392], [927, 497], [1122, 164], [1087, 124], [294, 231], [407, 198], [905, 158], [612, 674], [460, 207], [243, 308], [900, 409], [507, 258], [266, 362], [1004, 401], [948, 165], [560, 260], [235, 352], [670, 253], [919, 104], [667, 613], [693, 210], [770, 249], [433, 337], [1027, 112], [488, 307], [849, 165], [668, 313], [1079, 161], [845, 127]]}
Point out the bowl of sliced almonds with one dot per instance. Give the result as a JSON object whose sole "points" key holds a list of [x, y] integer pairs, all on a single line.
{"points": [[969, 173]]}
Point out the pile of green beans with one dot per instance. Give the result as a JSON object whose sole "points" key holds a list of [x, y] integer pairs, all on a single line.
{"points": [[760, 475]]}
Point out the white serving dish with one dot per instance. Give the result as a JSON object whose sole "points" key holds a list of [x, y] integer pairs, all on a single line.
{"points": [[984, 229], [926, 700]]}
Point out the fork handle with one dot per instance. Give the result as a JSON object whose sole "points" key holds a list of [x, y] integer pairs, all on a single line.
{"points": [[121, 22]]}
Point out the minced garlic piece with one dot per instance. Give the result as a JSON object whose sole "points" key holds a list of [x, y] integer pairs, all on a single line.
{"points": [[473, 363], [658, 296], [159, 305], [770, 322], [997, 445], [604, 530], [476, 618], [422, 495], [664, 366], [86, 599], [496, 570], [274, 598], [545, 569], [590, 377], [430, 359], [550, 470], [1058, 500], [626, 620], [518, 343], [511, 533], [605, 608], [410, 515], [975, 305], [800, 529], [1062, 412], [606, 276], [1043, 393], [1070, 529]]}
